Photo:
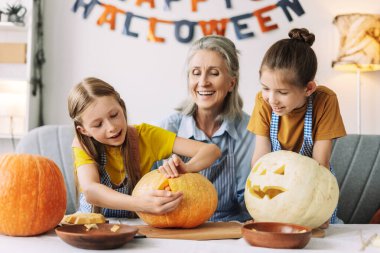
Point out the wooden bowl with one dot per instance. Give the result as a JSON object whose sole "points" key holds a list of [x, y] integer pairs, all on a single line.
{"points": [[96, 238], [276, 235]]}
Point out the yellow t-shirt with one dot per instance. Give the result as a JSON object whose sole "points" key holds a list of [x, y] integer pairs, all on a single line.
{"points": [[154, 144], [327, 121]]}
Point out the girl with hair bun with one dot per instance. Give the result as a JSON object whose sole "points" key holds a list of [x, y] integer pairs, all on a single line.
{"points": [[291, 111]]}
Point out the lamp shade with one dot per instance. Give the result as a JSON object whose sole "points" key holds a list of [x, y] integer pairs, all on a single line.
{"points": [[359, 42]]}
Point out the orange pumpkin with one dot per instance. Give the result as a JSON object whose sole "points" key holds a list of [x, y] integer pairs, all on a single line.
{"points": [[198, 204], [32, 195]]}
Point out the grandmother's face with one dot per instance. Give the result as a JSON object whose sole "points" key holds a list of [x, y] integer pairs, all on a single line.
{"points": [[209, 80]]}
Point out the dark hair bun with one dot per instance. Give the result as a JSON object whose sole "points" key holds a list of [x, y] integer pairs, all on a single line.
{"points": [[302, 34]]}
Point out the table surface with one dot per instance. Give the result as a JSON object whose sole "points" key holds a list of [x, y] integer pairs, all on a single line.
{"points": [[339, 238]]}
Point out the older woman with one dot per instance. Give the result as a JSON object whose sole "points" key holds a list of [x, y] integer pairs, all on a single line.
{"points": [[213, 114]]}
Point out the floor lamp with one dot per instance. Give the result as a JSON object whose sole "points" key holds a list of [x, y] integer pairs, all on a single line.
{"points": [[359, 49]]}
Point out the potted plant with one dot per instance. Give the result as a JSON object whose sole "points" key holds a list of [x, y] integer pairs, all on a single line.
{"points": [[16, 13]]}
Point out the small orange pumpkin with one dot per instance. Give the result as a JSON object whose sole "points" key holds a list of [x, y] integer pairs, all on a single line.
{"points": [[198, 204], [32, 195]]}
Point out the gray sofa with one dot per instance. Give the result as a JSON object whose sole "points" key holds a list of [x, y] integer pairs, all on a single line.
{"points": [[54, 142], [355, 158]]}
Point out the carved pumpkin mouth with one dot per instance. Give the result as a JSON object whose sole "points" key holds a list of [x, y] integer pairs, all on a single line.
{"points": [[269, 191]]}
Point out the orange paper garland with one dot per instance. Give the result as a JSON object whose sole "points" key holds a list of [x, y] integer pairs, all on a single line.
{"points": [[184, 29]]}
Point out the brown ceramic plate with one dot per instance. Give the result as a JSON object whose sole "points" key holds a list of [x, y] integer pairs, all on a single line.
{"points": [[276, 235], [96, 238]]}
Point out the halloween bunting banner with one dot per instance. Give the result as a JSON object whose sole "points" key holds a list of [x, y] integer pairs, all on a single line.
{"points": [[184, 29]]}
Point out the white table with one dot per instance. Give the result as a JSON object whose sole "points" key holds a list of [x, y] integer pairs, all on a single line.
{"points": [[339, 238]]}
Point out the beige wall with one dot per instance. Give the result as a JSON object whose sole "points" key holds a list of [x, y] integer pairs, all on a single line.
{"points": [[150, 76]]}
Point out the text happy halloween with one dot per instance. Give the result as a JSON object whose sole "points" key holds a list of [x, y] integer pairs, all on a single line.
{"points": [[184, 29]]}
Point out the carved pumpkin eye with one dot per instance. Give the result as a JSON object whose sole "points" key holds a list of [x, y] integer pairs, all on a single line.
{"points": [[281, 170], [254, 169], [270, 191]]}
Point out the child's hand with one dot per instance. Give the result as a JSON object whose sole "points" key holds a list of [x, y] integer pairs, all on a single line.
{"points": [[172, 167], [159, 201]]}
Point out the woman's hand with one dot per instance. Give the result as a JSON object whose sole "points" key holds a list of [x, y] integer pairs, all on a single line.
{"points": [[159, 201], [172, 167]]}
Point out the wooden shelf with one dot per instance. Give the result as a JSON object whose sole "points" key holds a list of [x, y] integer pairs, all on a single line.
{"points": [[15, 76], [9, 26], [8, 136], [13, 72], [12, 35]]}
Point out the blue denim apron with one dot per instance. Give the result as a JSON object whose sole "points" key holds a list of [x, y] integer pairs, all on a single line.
{"points": [[307, 145], [105, 179]]}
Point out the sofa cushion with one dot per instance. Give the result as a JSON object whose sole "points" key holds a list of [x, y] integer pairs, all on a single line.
{"points": [[356, 160], [54, 142]]}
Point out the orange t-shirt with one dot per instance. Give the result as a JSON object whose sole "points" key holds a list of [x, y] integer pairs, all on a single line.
{"points": [[327, 121]]}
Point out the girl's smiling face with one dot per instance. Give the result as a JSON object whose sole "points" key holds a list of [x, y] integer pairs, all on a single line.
{"points": [[104, 120], [282, 96]]}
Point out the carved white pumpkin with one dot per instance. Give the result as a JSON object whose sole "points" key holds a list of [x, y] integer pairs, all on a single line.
{"points": [[284, 186]]}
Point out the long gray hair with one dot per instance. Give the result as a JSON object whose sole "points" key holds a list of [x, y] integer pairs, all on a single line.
{"points": [[233, 103]]}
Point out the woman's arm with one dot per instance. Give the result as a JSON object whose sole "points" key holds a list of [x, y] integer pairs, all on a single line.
{"points": [[322, 152], [202, 156], [262, 147], [155, 201]]}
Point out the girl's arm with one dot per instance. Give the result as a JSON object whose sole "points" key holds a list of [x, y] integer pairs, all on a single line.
{"points": [[262, 147], [202, 156], [322, 152], [155, 201]]}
